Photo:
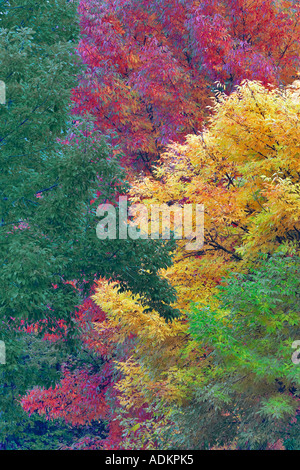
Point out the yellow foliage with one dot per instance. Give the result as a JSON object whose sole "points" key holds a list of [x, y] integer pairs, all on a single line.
{"points": [[155, 363], [245, 169]]}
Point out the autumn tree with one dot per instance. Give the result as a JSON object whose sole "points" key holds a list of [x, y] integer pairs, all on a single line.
{"points": [[86, 396], [244, 168], [152, 67]]}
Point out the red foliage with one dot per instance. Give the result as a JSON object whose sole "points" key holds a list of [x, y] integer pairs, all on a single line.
{"points": [[86, 394], [151, 66], [79, 398]]}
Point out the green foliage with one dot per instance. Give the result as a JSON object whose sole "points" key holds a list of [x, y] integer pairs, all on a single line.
{"points": [[249, 393], [51, 168], [38, 74]]}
